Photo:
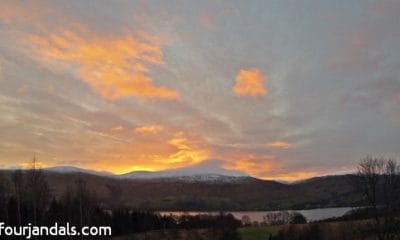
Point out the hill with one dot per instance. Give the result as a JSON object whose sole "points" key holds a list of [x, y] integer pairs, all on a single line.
{"points": [[239, 193]]}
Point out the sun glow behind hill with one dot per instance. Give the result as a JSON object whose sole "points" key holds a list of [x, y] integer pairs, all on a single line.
{"points": [[209, 170], [206, 171]]}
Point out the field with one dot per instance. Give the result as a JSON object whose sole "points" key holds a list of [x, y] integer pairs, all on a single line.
{"points": [[258, 233]]}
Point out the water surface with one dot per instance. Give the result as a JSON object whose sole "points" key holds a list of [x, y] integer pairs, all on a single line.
{"points": [[310, 214]]}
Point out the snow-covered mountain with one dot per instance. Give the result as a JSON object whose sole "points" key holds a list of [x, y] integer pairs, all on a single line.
{"points": [[205, 171], [168, 176]]}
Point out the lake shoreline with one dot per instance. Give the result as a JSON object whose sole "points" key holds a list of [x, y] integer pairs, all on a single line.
{"points": [[316, 214]]}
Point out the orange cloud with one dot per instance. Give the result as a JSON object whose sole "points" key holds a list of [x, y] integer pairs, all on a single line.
{"points": [[154, 152], [266, 167], [294, 176], [149, 129], [249, 82], [253, 164], [187, 151], [114, 67], [29, 165], [279, 145], [22, 12]]}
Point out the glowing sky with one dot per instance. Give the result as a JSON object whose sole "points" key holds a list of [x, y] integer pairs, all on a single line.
{"points": [[277, 89]]}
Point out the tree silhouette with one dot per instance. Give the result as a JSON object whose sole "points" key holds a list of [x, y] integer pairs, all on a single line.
{"points": [[18, 182], [379, 179], [4, 196], [37, 192]]}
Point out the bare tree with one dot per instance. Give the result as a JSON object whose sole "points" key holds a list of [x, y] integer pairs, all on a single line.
{"points": [[391, 197], [67, 200], [37, 191], [84, 201], [68, 203], [4, 195], [370, 171], [18, 181], [379, 180], [115, 191]]}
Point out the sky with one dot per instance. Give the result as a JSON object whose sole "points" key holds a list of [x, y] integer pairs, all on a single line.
{"points": [[277, 89]]}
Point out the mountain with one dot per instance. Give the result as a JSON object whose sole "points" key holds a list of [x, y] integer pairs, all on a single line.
{"points": [[205, 171], [206, 186], [70, 169], [239, 193]]}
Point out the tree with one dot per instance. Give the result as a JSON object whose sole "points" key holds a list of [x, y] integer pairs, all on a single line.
{"points": [[18, 181], [391, 195], [277, 218], [67, 202], [297, 218], [37, 192], [4, 195], [85, 201], [379, 179], [115, 193], [246, 221]]}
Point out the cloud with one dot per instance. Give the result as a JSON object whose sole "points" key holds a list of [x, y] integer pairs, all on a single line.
{"points": [[207, 22], [360, 52], [249, 82], [29, 165], [148, 129], [396, 117], [23, 12], [117, 129], [256, 165], [187, 151], [1, 70], [295, 176], [114, 66], [155, 152], [385, 90], [280, 145], [266, 166]]}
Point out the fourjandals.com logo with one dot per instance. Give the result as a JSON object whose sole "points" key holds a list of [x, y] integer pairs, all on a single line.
{"points": [[30, 230]]}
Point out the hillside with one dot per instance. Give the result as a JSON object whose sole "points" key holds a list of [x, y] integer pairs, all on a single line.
{"points": [[245, 193]]}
